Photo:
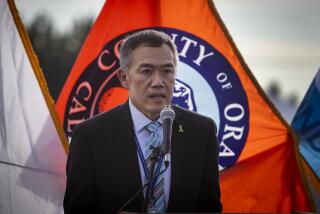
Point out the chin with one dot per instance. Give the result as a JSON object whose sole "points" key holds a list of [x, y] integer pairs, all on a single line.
{"points": [[157, 109]]}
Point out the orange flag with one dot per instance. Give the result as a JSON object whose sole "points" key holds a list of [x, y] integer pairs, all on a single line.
{"points": [[259, 170]]}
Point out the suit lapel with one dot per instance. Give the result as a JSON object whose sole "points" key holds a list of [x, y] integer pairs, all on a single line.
{"points": [[179, 130], [127, 145]]}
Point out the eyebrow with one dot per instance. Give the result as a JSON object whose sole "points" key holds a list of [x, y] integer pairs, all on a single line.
{"points": [[146, 65]]}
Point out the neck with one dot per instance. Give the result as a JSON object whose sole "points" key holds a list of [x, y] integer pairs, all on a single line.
{"points": [[150, 115]]}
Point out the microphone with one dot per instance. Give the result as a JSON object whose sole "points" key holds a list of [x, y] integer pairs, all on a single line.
{"points": [[167, 116]]}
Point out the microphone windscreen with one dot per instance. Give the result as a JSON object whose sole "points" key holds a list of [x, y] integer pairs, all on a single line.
{"points": [[167, 113]]}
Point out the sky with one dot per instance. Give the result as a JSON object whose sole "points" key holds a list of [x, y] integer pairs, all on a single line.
{"points": [[278, 39]]}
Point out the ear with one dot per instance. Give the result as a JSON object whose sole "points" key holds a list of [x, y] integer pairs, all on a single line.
{"points": [[123, 77]]}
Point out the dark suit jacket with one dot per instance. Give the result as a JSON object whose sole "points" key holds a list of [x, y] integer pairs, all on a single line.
{"points": [[103, 169]]}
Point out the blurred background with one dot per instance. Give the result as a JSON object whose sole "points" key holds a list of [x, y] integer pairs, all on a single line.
{"points": [[279, 40]]}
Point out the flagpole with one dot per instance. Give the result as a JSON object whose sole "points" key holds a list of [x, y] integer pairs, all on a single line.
{"points": [[38, 73]]}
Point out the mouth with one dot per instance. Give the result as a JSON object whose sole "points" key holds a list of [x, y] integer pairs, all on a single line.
{"points": [[157, 96]]}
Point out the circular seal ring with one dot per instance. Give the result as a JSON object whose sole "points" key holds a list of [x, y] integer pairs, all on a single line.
{"points": [[207, 76]]}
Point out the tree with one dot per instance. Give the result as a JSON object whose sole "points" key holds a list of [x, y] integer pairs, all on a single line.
{"points": [[57, 52]]}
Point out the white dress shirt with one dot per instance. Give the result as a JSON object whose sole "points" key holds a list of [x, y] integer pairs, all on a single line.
{"points": [[140, 121]]}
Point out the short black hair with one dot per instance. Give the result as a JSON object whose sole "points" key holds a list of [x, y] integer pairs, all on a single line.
{"points": [[151, 38]]}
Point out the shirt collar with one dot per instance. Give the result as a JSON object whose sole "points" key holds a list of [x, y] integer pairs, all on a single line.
{"points": [[139, 119]]}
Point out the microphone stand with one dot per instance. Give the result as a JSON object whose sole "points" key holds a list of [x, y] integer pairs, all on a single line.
{"points": [[156, 153], [167, 115]]}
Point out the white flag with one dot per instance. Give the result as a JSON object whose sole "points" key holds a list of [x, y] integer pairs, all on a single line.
{"points": [[32, 155]]}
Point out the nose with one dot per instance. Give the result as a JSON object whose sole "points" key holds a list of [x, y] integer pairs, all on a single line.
{"points": [[157, 79]]}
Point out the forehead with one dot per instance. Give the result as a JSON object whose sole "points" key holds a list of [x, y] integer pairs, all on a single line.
{"points": [[144, 54]]}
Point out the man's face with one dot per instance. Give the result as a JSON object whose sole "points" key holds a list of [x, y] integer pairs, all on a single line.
{"points": [[150, 79]]}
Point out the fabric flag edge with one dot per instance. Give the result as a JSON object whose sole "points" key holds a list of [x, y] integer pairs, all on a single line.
{"points": [[266, 99], [300, 160], [38, 73], [245, 65]]}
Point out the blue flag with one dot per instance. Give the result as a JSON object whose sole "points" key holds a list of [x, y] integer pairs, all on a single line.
{"points": [[306, 124]]}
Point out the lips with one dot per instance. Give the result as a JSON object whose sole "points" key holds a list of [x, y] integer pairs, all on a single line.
{"points": [[157, 95]]}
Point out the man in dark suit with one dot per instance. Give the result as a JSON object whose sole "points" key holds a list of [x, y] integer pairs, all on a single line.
{"points": [[107, 156]]}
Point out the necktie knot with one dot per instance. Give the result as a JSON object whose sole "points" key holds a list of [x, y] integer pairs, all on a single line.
{"points": [[153, 126], [154, 138]]}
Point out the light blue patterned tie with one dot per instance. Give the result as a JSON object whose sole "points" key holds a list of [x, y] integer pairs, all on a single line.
{"points": [[157, 200]]}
